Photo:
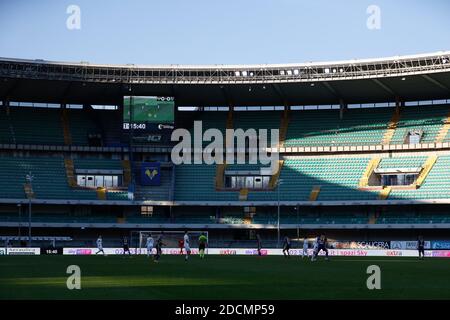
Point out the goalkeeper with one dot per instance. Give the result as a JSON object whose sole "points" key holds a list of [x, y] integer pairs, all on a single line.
{"points": [[202, 242]]}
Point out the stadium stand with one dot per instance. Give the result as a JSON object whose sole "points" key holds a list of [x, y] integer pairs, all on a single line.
{"points": [[435, 185], [324, 127], [427, 119], [338, 188]]}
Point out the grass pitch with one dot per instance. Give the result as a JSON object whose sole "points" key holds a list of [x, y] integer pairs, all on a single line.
{"points": [[222, 277]]}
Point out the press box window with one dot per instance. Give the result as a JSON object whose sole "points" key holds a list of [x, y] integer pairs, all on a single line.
{"points": [[248, 182], [398, 179], [93, 181], [147, 210]]}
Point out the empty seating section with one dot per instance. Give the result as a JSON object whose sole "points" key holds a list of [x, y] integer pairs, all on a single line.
{"points": [[6, 132], [414, 219], [402, 162], [211, 120], [324, 128], [25, 126], [246, 167], [100, 164], [306, 128], [258, 120], [30, 126], [318, 219], [195, 182], [322, 219], [49, 179], [429, 119], [447, 137], [58, 218], [435, 186], [338, 178], [111, 124], [81, 125]]}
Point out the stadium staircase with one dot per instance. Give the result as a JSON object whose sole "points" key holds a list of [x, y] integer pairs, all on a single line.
{"points": [[372, 218], [314, 193], [426, 169], [229, 124], [384, 193], [126, 172], [284, 126], [70, 172], [273, 182], [28, 188], [371, 166], [220, 173], [101, 193], [391, 126], [444, 131], [66, 127], [220, 168], [243, 194]]}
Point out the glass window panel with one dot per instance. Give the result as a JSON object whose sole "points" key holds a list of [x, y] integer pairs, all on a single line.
{"points": [[90, 181], [81, 181], [258, 183], [108, 181], [115, 181], [266, 182], [249, 182], [99, 181], [240, 182]]}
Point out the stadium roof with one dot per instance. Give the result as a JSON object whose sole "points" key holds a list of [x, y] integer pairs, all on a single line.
{"points": [[416, 77]]}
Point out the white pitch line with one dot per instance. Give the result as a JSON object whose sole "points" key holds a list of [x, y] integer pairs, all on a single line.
{"points": [[376, 260]]}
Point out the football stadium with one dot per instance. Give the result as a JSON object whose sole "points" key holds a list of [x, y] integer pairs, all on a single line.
{"points": [[288, 181]]}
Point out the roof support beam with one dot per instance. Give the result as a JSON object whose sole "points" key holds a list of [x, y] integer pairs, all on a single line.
{"points": [[436, 82], [227, 97], [281, 94], [333, 91], [66, 92], [385, 87], [12, 88]]}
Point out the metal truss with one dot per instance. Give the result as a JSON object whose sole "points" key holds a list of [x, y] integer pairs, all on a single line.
{"points": [[223, 74]]}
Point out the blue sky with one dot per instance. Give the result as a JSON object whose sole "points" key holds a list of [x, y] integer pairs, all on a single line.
{"points": [[220, 32]]}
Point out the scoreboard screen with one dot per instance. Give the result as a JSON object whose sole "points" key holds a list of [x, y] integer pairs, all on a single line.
{"points": [[140, 111]]}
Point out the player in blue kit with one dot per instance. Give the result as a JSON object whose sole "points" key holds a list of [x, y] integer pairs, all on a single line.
{"points": [[321, 244]]}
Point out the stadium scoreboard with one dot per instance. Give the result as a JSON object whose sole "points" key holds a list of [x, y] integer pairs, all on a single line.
{"points": [[147, 112]]}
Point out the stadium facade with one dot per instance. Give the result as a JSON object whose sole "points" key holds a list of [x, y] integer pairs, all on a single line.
{"points": [[364, 149]]}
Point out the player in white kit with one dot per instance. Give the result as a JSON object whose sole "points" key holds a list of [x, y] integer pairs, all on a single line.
{"points": [[149, 245], [315, 248], [100, 245], [187, 246], [305, 248]]}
